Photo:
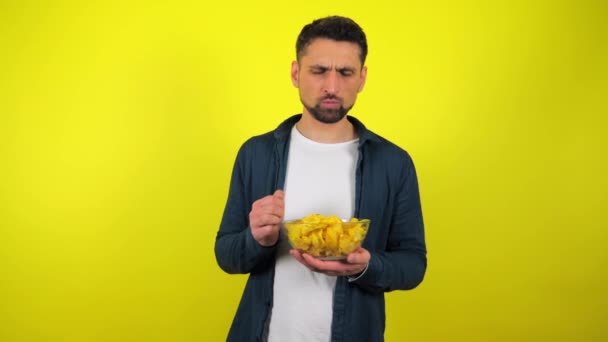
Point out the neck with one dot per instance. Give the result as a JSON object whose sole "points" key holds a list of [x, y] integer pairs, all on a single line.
{"points": [[318, 131]]}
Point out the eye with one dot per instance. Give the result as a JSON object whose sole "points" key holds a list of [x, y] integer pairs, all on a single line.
{"points": [[346, 72], [319, 71]]}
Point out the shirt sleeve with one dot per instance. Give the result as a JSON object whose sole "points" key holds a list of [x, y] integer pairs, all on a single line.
{"points": [[351, 279], [402, 264], [236, 250]]}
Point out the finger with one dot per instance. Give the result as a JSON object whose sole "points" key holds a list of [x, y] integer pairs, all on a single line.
{"points": [[325, 265], [276, 209], [298, 255], [267, 220], [261, 203], [278, 202], [359, 256], [347, 271], [310, 259], [268, 229], [271, 205], [334, 268], [280, 194], [278, 206]]}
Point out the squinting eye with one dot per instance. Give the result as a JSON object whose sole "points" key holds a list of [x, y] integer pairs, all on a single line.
{"points": [[318, 71]]}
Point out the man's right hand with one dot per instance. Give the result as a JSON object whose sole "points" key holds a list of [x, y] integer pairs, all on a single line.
{"points": [[265, 218]]}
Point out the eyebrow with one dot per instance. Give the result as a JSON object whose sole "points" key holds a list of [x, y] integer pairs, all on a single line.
{"points": [[324, 67]]}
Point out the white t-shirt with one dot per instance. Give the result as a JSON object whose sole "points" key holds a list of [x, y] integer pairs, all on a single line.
{"points": [[320, 179]]}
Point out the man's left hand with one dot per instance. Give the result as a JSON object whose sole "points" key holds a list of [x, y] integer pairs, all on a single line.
{"points": [[354, 264]]}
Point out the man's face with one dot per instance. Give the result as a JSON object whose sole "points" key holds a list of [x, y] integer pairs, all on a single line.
{"points": [[329, 77]]}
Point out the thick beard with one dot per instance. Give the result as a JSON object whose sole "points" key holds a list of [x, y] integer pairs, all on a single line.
{"points": [[328, 116]]}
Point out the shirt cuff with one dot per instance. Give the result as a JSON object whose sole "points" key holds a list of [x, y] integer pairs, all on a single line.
{"points": [[351, 279]]}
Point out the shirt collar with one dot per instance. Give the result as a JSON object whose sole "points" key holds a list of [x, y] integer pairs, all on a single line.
{"points": [[283, 130]]}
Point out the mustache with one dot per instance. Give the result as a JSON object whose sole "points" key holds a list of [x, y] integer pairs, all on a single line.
{"points": [[331, 97]]}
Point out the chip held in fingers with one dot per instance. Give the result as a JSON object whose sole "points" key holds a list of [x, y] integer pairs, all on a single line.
{"points": [[326, 237]]}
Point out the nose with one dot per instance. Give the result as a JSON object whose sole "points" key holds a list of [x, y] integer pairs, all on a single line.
{"points": [[330, 85]]}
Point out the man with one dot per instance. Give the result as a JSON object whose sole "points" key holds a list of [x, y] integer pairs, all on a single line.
{"points": [[325, 162]]}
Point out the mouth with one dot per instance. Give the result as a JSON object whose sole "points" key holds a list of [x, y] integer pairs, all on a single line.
{"points": [[331, 103]]}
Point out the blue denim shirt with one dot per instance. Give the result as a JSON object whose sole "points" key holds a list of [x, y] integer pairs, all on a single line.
{"points": [[386, 193]]}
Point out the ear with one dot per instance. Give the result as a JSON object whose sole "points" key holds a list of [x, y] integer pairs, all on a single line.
{"points": [[295, 73], [363, 78]]}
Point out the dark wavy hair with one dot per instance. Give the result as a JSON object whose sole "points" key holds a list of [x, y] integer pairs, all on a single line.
{"points": [[336, 28]]}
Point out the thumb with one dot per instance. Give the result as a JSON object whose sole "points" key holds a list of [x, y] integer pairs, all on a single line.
{"points": [[279, 194], [360, 256]]}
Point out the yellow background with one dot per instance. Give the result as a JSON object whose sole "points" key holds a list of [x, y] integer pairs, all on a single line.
{"points": [[120, 121]]}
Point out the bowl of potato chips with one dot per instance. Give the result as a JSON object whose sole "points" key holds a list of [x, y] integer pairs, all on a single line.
{"points": [[326, 237]]}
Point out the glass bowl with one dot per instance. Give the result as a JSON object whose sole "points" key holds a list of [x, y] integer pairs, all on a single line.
{"points": [[326, 237]]}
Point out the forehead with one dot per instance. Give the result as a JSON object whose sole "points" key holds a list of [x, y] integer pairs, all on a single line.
{"points": [[329, 52]]}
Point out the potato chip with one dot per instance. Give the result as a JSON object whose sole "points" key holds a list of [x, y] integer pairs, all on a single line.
{"points": [[326, 236]]}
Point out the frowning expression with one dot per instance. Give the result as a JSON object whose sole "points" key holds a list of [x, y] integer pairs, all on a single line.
{"points": [[329, 75]]}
